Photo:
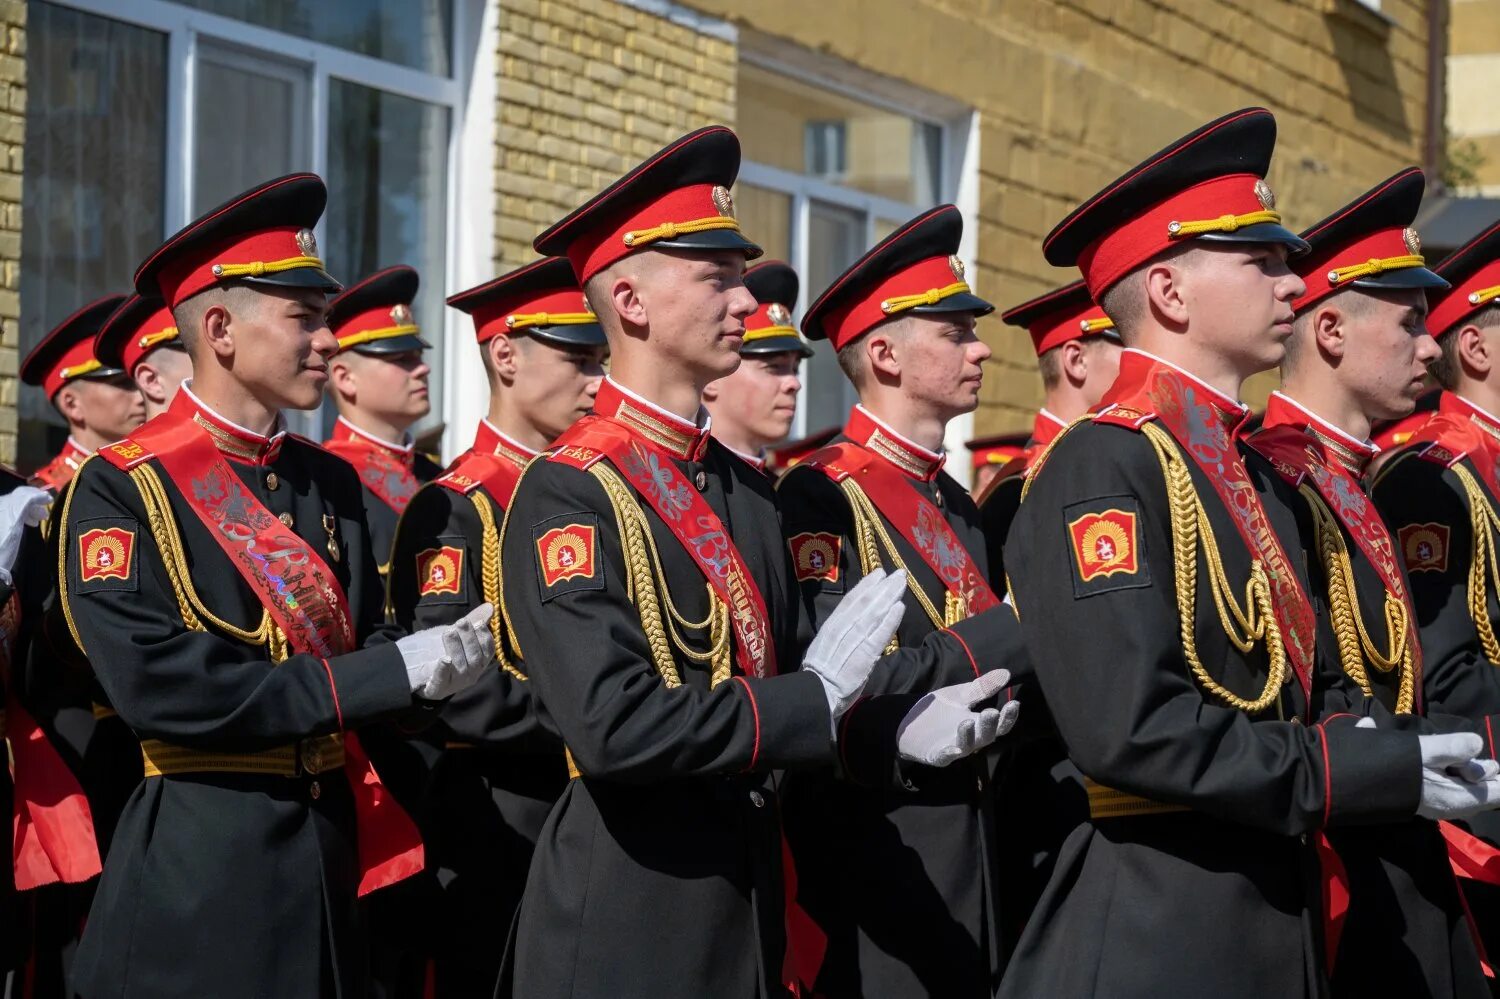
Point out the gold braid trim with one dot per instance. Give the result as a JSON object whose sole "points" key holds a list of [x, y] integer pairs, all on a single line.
{"points": [[871, 536], [489, 569], [1254, 624], [1354, 641], [1484, 566], [62, 558]]}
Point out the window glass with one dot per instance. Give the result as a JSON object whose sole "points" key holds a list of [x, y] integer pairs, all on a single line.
{"points": [[249, 123], [835, 238]]}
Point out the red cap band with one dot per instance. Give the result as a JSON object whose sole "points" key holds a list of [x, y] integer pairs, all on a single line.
{"points": [[1318, 270], [78, 360], [1057, 328], [146, 337], [695, 208], [241, 256], [860, 315], [508, 315], [1464, 299]]}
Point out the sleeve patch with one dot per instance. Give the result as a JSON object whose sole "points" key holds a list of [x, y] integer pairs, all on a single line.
{"points": [[440, 574], [567, 555], [1424, 547], [815, 556], [105, 555], [1105, 540]]}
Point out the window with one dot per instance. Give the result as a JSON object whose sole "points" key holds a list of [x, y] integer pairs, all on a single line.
{"points": [[831, 167], [143, 114]]}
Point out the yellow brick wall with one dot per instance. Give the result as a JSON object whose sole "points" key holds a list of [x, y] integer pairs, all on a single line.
{"points": [[586, 89], [1473, 80], [1072, 92], [12, 133]]}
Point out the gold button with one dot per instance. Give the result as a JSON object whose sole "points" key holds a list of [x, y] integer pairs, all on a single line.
{"points": [[272, 482], [757, 799], [286, 519], [939, 499], [315, 790], [701, 480]]}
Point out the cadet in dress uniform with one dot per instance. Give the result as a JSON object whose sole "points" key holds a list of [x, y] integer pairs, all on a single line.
{"points": [[784, 456], [101, 404], [1172, 637], [903, 883], [753, 408], [1441, 497], [378, 380], [1359, 353], [648, 592], [218, 573], [992, 454], [141, 339], [501, 771]]}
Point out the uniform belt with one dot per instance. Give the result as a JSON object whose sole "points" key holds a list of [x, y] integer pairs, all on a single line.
{"points": [[1108, 803], [310, 756], [102, 711]]}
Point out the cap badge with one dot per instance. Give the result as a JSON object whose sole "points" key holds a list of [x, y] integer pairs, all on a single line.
{"points": [[724, 201], [401, 314], [779, 314], [1412, 240], [1265, 195], [307, 242], [956, 266]]}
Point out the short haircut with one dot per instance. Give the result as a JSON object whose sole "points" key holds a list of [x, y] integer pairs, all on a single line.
{"points": [[237, 297], [1447, 367], [851, 356], [1124, 302]]}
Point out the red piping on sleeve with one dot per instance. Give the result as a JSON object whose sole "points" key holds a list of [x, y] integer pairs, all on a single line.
{"points": [[967, 651], [1489, 729], [337, 710], [1327, 776], [755, 711]]}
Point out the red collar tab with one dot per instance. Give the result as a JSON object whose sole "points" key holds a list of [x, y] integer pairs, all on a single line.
{"points": [[873, 435], [681, 439], [1064, 314], [68, 350], [1139, 371], [266, 234], [544, 293], [1352, 454], [679, 199], [1451, 404], [235, 442], [346, 434], [489, 440], [1045, 428], [1473, 271]]}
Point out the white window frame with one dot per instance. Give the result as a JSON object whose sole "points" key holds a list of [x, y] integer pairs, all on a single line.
{"points": [[958, 178], [186, 26]]}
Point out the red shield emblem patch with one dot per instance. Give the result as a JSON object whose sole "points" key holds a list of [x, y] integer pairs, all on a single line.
{"points": [[1105, 544], [439, 570], [566, 552], [105, 553], [815, 555], [1424, 547]]}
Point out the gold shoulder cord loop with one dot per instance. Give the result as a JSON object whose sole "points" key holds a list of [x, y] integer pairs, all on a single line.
{"points": [[869, 530], [1484, 567], [1253, 624], [1356, 647], [489, 568], [62, 558]]}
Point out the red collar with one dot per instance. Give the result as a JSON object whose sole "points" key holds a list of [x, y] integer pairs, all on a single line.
{"points": [[1450, 404], [911, 458], [1045, 428], [347, 435], [1353, 454], [681, 439], [233, 440], [490, 439], [1136, 372]]}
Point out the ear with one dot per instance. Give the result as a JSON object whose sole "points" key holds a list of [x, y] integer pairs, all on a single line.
{"points": [[1328, 331], [624, 296], [1474, 350], [505, 357], [1073, 361], [342, 379], [1164, 285], [711, 392], [149, 382], [216, 331], [69, 402], [880, 351]]}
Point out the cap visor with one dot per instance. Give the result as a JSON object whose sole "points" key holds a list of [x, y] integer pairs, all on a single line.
{"points": [[1261, 232], [573, 335], [102, 374], [708, 239], [403, 344], [963, 301], [298, 277], [1407, 277], [776, 345]]}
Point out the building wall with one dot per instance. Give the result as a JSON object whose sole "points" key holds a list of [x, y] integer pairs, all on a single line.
{"points": [[12, 133], [588, 88], [1473, 81]]}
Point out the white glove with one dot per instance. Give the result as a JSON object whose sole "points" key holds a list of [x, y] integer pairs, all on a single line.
{"points": [[22, 507], [1455, 784], [943, 727], [443, 660], [844, 650]]}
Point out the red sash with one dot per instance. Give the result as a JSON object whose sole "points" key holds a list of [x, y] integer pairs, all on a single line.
{"points": [[301, 594], [52, 827], [1296, 456], [384, 474], [1202, 425], [690, 519], [1459, 431], [58, 472], [915, 518]]}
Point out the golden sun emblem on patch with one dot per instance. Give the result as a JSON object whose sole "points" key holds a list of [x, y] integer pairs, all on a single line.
{"points": [[779, 314], [724, 201], [1265, 195], [1412, 240], [956, 265], [401, 314], [307, 242]]}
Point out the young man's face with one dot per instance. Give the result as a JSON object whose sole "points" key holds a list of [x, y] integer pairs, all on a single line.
{"points": [[282, 345], [1387, 350], [390, 386], [554, 384], [941, 360], [697, 304], [108, 407], [1239, 298], [758, 401]]}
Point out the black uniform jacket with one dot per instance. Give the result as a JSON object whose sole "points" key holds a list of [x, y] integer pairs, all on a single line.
{"points": [[390, 475], [903, 881], [658, 873], [1202, 815], [227, 884]]}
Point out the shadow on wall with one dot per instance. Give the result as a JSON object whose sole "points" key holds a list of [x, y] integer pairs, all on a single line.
{"points": [[1361, 39]]}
